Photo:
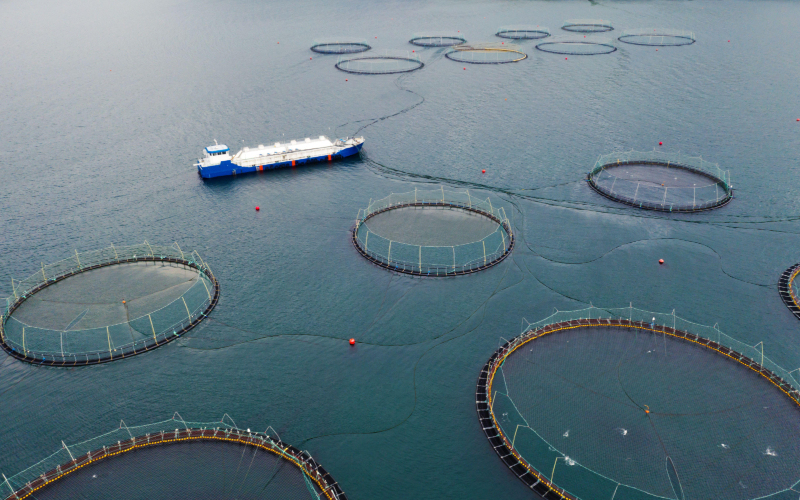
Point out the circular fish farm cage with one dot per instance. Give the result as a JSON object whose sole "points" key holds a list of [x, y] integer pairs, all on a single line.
{"points": [[577, 46], [657, 37], [587, 25], [380, 63], [107, 305], [433, 233], [180, 460], [339, 45], [526, 32], [667, 182], [789, 291], [634, 405], [485, 53], [428, 39]]}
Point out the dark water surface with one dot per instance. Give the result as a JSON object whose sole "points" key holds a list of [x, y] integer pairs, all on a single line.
{"points": [[105, 106]]}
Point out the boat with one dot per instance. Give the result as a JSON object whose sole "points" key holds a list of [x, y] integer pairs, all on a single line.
{"points": [[218, 161]]}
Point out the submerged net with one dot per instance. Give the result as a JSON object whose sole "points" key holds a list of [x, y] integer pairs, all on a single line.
{"points": [[485, 53], [339, 45], [587, 25], [654, 180], [107, 304], [627, 404], [789, 289], [433, 233], [385, 62], [437, 39], [577, 46], [526, 32], [178, 459], [658, 37]]}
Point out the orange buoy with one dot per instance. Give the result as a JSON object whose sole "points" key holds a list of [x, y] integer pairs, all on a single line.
{"points": [[258, 208], [352, 341], [123, 301], [660, 261]]}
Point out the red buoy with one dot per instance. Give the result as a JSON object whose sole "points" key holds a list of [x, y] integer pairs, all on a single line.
{"points": [[258, 208], [352, 341], [483, 171], [310, 58], [798, 119], [465, 69], [345, 79], [565, 58], [660, 261], [660, 143]]}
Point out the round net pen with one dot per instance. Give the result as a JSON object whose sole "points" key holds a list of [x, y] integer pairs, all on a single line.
{"points": [[657, 37], [573, 46], [106, 305], [587, 25], [429, 39], [485, 53], [179, 459], [789, 290], [433, 233], [339, 45], [635, 405], [523, 32], [666, 182], [380, 63]]}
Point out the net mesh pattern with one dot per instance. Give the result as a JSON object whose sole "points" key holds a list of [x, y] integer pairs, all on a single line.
{"points": [[789, 289], [180, 460], [107, 304], [385, 62], [339, 45], [629, 404], [486, 53], [428, 39], [523, 32], [587, 25], [656, 180], [568, 45], [433, 233], [658, 37]]}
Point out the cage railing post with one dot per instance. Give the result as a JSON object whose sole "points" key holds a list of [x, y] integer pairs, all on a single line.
{"points": [[389, 256], [77, 257]]}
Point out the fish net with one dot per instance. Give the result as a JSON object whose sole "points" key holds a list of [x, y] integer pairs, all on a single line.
{"points": [[437, 39], [179, 459], [433, 233], [627, 404], [789, 289], [587, 25], [658, 37], [577, 46], [107, 304], [380, 63], [523, 32], [485, 53], [654, 180], [339, 45]]}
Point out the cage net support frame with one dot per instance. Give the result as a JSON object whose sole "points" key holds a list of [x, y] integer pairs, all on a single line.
{"points": [[786, 290], [124, 439], [436, 199], [629, 317], [510, 53], [412, 62], [694, 164], [523, 32], [436, 39], [587, 25], [563, 46], [91, 260], [657, 37], [339, 45]]}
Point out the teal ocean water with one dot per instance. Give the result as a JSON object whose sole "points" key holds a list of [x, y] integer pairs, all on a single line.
{"points": [[106, 105]]}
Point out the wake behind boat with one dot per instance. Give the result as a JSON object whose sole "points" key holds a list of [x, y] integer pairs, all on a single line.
{"points": [[218, 161]]}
